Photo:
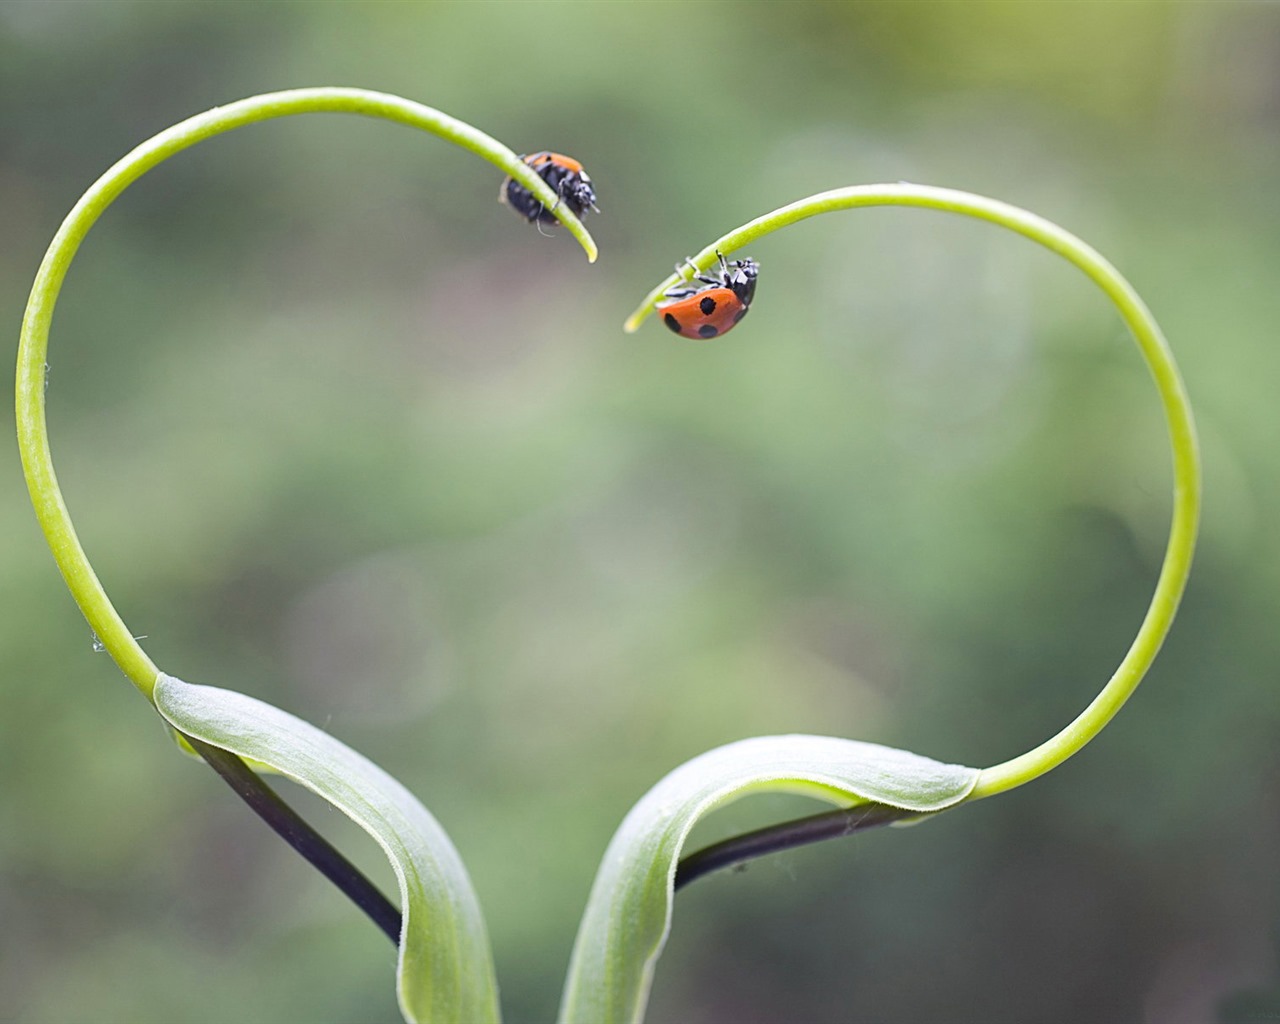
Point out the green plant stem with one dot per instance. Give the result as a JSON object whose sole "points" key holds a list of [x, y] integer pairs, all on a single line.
{"points": [[843, 821], [290, 826], [33, 437], [33, 441], [1177, 410]]}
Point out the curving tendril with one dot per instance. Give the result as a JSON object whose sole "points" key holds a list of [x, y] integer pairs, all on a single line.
{"points": [[33, 439], [1177, 410]]}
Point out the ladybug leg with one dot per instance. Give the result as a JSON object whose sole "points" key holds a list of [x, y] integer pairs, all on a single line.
{"points": [[695, 276], [561, 187], [536, 217], [686, 262], [683, 288]]}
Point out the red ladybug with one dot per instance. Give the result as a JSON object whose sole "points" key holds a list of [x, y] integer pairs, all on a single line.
{"points": [[567, 179], [717, 305]]}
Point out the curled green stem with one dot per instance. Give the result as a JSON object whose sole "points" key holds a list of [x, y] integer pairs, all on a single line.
{"points": [[33, 439], [1164, 371]]}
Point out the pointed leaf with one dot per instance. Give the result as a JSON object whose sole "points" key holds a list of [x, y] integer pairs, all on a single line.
{"points": [[628, 916], [445, 971]]}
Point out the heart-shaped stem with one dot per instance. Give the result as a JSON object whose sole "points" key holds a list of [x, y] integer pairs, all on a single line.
{"points": [[1177, 410]]}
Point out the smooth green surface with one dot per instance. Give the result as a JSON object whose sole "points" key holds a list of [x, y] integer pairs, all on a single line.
{"points": [[445, 969], [628, 916], [33, 439], [1164, 371]]}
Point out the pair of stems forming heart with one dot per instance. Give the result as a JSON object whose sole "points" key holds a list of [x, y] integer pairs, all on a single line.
{"points": [[138, 667]]}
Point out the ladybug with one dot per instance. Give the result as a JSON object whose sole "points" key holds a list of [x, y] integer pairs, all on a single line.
{"points": [[713, 308], [567, 179]]}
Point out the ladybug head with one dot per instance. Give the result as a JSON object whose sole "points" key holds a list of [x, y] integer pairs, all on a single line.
{"points": [[740, 276], [578, 193]]}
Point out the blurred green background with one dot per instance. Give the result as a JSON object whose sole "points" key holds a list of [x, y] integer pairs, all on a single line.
{"points": [[339, 431]]}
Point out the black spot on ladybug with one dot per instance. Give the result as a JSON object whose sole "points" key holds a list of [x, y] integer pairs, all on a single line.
{"points": [[740, 314], [707, 305], [672, 322], [707, 331]]}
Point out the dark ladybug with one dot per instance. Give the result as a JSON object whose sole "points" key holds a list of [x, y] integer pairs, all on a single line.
{"points": [[716, 305], [567, 179]]}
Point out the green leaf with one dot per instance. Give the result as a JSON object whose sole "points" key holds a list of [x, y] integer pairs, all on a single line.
{"points": [[628, 916], [445, 971]]}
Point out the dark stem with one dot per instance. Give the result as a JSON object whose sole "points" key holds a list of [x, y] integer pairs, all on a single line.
{"points": [[288, 824], [786, 836]]}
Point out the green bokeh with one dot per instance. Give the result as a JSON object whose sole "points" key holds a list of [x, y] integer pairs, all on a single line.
{"points": [[529, 564]]}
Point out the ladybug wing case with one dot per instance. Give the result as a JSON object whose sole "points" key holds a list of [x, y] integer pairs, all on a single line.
{"points": [[705, 314]]}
